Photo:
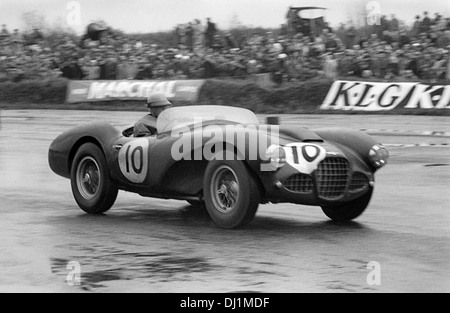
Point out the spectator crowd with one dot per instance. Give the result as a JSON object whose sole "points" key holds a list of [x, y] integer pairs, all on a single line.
{"points": [[388, 51]]}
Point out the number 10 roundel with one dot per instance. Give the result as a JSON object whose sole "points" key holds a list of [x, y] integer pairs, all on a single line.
{"points": [[133, 160]]}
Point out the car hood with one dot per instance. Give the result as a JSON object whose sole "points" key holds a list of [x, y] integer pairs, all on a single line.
{"points": [[289, 135]]}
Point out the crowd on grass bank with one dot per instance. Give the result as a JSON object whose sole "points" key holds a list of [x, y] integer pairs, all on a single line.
{"points": [[419, 52]]}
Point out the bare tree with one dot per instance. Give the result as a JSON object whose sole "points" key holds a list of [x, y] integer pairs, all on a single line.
{"points": [[235, 22], [33, 20]]}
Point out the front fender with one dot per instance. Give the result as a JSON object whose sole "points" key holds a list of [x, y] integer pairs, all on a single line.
{"points": [[63, 148], [357, 141]]}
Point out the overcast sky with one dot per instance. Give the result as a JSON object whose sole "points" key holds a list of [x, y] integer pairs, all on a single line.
{"points": [[161, 15]]}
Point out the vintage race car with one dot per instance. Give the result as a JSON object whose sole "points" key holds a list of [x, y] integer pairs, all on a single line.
{"points": [[224, 159]]}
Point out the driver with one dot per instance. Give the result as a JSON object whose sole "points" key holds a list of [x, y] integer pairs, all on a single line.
{"points": [[146, 126]]}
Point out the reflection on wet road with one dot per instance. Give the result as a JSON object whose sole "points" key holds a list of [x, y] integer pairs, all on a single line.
{"points": [[156, 245]]}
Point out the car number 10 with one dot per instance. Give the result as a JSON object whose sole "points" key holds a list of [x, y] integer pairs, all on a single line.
{"points": [[133, 160]]}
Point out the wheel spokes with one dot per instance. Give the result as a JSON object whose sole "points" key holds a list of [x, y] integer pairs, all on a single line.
{"points": [[227, 193], [88, 178]]}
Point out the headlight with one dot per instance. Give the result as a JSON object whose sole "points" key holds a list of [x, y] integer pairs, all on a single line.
{"points": [[276, 156], [378, 155]]}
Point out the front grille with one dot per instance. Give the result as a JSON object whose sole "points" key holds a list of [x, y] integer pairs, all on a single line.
{"points": [[300, 183], [332, 178], [359, 183]]}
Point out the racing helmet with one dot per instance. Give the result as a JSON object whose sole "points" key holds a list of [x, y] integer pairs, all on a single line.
{"points": [[157, 100]]}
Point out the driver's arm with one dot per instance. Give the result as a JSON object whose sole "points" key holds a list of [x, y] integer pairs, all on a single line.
{"points": [[145, 127]]}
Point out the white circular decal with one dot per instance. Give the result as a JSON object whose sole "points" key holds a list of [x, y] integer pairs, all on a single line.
{"points": [[133, 160]]}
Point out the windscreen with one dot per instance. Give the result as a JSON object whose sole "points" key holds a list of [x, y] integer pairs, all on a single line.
{"points": [[177, 117]]}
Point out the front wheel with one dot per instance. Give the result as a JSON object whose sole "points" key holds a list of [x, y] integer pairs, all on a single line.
{"points": [[348, 210], [231, 193], [92, 187]]}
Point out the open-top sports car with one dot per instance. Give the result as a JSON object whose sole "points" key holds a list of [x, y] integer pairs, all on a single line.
{"points": [[224, 159]]}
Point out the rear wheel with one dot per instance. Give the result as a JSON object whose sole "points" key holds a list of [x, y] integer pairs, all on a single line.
{"points": [[231, 193], [92, 187], [349, 210]]}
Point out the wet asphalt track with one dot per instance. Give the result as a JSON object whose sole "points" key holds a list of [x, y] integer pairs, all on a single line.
{"points": [[150, 245]]}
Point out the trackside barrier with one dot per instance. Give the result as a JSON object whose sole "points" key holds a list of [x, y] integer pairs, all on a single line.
{"points": [[374, 96], [92, 91]]}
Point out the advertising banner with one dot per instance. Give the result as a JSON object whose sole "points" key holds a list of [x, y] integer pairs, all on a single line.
{"points": [[107, 90], [369, 96]]}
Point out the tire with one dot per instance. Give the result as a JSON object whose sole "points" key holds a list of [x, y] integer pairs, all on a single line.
{"points": [[92, 187], [231, 193], [349, 210]]}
